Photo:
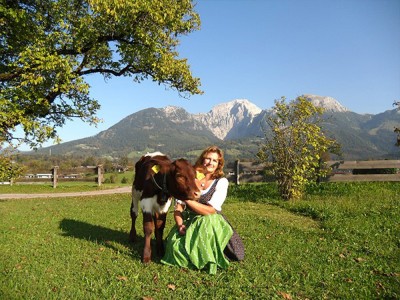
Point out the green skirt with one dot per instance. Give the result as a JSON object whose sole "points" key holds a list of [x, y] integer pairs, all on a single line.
{"points": [[202, 247]]}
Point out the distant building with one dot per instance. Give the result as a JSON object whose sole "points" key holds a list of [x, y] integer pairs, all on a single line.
{"points": [[72, 176], [44, 175]]}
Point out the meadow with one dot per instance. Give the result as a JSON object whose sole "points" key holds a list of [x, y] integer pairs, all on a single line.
{"points": [[342, 241]]}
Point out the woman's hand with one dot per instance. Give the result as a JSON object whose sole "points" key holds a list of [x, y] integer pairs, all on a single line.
{"points": [[182, 229]]}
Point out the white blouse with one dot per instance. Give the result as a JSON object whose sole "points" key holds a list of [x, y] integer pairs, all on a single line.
{"points": [[219, 195]]}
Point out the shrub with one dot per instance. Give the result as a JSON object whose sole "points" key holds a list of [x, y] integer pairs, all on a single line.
{"points": [[113, 178]]}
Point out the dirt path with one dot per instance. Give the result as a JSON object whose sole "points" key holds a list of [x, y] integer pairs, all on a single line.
{"points": [[121, 190]]}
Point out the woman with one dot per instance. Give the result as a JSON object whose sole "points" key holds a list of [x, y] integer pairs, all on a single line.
{"points": [[200, 235]]}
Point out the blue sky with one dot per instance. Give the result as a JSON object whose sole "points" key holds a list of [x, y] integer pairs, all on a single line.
{"points": [[261, 50]]}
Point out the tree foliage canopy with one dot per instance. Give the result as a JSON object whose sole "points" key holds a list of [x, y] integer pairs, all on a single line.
{"points": [[295, 144], [47, 47]]}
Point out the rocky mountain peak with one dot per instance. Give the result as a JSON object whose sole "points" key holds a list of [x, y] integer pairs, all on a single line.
{"points": [[176, 114], [171, 109], [328, 103], [224, 117], [241, 106]]}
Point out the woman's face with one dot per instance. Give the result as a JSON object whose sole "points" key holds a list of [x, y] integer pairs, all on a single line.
{"points": [[210, 162]]}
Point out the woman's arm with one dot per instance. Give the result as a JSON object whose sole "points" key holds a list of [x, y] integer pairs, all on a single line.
{"points": [[178, 218], [199, 208]]}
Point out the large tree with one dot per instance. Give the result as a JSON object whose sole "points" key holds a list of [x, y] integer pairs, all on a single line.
{"points": [[48, 47], [295, 145]]}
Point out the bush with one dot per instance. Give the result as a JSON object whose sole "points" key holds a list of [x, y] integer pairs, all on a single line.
{"points": [[113, 178]]}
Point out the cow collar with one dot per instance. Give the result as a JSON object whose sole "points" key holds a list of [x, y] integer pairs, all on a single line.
{"points": [[164, 189]]}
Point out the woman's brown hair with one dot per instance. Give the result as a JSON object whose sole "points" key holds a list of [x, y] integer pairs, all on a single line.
{"points": [[219, 172]]}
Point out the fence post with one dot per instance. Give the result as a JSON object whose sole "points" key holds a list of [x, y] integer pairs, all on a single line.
{"points": [[99, 174], [237, 168], [55, 176]]}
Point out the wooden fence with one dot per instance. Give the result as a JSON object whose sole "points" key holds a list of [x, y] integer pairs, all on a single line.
{"points": [[342, 171], [243, 172], [56, 175]]}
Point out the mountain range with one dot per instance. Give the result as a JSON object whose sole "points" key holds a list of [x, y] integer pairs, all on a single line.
{"points": [[236, 127]]}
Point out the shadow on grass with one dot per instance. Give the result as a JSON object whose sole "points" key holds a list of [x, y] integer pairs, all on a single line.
{"points": [[101, 235]]}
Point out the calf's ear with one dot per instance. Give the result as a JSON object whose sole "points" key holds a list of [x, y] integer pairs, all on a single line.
{"points": [[181, 180]]}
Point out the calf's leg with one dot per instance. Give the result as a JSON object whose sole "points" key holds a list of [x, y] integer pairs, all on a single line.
{"points": [[134, 213], [159, 221], [148, 228], [132, 232]]}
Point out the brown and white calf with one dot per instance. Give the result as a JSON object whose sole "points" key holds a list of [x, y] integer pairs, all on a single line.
{"points": [[157, 180]]}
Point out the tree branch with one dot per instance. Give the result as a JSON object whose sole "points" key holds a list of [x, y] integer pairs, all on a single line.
{"points": [[88, 47], [113, 72], [4, 77]]}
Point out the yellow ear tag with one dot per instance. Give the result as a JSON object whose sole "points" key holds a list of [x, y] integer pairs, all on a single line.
{"points": [[156, 168], [199, 175]]}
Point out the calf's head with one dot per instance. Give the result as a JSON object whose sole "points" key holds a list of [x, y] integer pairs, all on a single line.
{"points": [[182, 177]]}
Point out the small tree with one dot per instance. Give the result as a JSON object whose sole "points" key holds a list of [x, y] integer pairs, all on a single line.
{"points": [[89, 161], [294, 143], [123, 162], [397, 129], [9, 170]]}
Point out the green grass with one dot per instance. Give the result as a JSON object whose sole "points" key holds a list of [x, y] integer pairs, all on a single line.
{"points": [[65, 187], [341, 242], [119, 176]]}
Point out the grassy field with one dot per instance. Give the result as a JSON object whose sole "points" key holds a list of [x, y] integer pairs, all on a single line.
{"points": [[68, 186], [45, 188], [341, 242]]}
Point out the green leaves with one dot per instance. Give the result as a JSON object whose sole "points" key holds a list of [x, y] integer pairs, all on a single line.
{"points": [[48, 47], [295, 144], [9, 170]]}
